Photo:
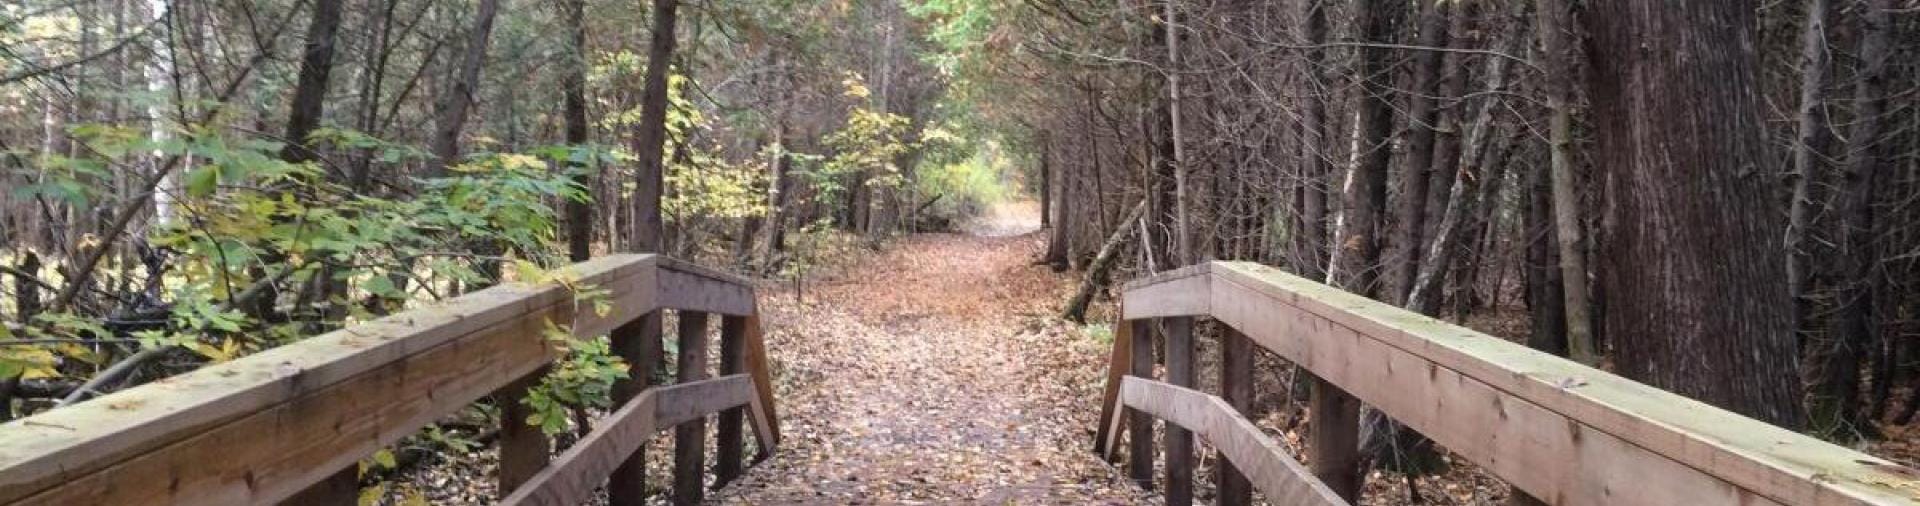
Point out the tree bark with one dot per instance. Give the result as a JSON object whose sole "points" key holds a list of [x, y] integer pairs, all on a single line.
{"points": [[1553, 15], [1834, 375], [310, 92], [445, 143], [1417, 160], [1356, 243], [573, 84], [649, 141], [1809, 151], [1696, 303], [1316, 147]]}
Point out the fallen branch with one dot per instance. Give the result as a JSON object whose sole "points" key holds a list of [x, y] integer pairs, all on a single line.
{"points": [[1098, 270]]}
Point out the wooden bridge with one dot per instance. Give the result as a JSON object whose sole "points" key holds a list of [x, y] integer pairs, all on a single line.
{"points": [[290, 425]]}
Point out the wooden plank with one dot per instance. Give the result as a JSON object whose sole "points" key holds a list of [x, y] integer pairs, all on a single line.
{"points": [[1278, 476], [523, 448], [301, 442], [1169, 294], [1333, 438], [638, 343], [58, 447], [1236, 387], [758, 366], [685, 287], [730, 437], [1139, 425], [690, 436], [341, 489], [574, 475], [1179, 441], [1107, 437], [1563, 459], [695, 400]]}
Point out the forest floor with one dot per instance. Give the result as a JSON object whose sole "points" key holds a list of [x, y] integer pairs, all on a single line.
{"points": [[927, 373]]}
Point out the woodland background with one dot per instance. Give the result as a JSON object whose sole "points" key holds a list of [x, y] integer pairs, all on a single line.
{"points": [[1716, 198]]}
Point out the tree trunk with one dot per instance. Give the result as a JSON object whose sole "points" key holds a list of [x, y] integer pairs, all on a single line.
{"points": [[445, 143], [310, 93], [1057, 240], [1809, 151], [1566, 201], [1834, 381], [1356, 242], [649, 141], [1696, 301], [1316, 148], [573, 84], [1418, 157]]}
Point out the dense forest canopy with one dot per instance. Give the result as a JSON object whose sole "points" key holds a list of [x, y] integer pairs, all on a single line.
{"points": [[1716, 198]]}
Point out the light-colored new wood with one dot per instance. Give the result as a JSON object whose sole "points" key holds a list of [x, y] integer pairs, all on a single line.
{"points": [[290, 405], [1265, 462], [1564, 432], [573, 476], [260, 429], [1168, 294]]}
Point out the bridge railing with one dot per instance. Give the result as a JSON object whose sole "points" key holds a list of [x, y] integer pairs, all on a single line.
{"points": [[290, 424], [1560, 431]]}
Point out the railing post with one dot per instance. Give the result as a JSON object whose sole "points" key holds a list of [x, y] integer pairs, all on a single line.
{"points": [[341, 489], [524, 449], [1180, 372], [1139, 423], [690, 439], [1236, 387], [1333, 439], [733, 360], [638, 343]]}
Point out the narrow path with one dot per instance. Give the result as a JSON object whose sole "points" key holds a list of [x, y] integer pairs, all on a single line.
{"points": [[923, 376]]}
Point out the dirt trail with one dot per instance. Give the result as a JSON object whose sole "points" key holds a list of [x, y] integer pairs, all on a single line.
{"points": [[920, 377]]}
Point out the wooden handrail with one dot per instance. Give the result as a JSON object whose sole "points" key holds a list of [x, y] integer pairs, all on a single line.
{"points": [[1561, 431], [573, 476], [1263, 460], [261, 428]]}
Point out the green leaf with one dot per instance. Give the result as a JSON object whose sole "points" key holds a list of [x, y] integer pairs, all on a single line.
{"points": [[202, 180], [384, 457]]}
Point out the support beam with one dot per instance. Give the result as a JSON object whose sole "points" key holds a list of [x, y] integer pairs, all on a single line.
{"points": [[1179, 442], [731, 437], [1333, 439], [1236, 387], [690, 438], [524, 449], [638, 343], [1139, 424]]}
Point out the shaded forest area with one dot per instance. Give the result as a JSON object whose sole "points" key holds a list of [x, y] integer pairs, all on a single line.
{"points": [[1715, 198]]}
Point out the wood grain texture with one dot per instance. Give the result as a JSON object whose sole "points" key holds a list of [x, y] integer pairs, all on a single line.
{"points": [[690, 288], [1278, 477], [690, 433], [1236, 387], [1139, 424], [281, 424], [1179, 441], [304, 410], [1107, 435], [729, 436], [573, 476], [1563, 432], [59, 445]]}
